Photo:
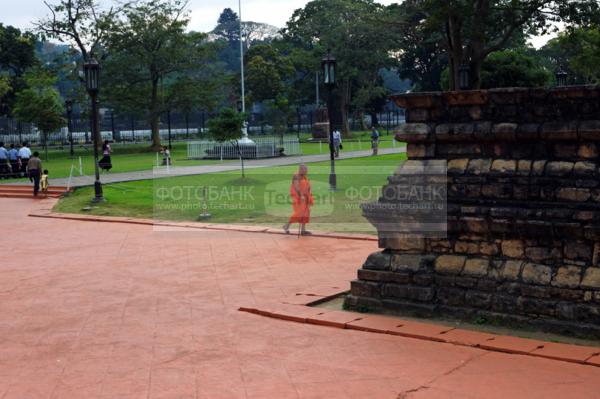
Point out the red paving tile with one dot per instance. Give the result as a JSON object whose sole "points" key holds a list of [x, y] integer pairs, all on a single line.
{"points": [[466, 337], [374, 323], [512, 344], [334, 319], [114, 310], [413, 329]]}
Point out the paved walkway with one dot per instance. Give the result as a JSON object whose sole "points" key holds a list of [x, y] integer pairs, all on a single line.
{"points": [[80, 181], [110, 310]]}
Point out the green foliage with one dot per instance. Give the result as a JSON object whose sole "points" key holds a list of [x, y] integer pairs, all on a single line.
{"points": [[470, 30], [511, 68], [227, 125], [40, 103], [350, 29], [577, 52], [17, 54], [154, 64]]}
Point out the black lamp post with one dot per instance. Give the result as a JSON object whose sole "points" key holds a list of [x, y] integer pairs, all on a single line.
{"points": [[561, 77], [329, 74], [69, 107], [92, 84], [463, 77]]}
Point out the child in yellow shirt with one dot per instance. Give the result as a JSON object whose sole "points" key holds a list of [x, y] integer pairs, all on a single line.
{"points": [[44, 181]]}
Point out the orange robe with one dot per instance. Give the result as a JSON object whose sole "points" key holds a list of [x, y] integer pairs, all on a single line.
{"points": [[302, 199]]}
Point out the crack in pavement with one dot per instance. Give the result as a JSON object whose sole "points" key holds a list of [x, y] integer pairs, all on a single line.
{"points": [[408, 393]]}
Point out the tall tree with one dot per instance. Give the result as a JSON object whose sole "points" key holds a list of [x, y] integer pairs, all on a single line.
{"points": [[577, 52], [470, 30], [348, 28], [151, 55], [17, 54], [40, 103]]}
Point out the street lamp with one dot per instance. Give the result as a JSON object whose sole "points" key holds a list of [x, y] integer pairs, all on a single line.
{"points": [[561, 77], [169, 128], [69, 107], [329, 74], [463, 77], [91, 70]]}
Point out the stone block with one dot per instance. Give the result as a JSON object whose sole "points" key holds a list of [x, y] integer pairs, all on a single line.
{"points": [[421, 294], [504, 166], [413, 133], [567, 277], [457, 166], [584, 168], [512, 248], [403, 243], [511, 270], [365, 289], [528, 131], [538, 167], [450, 264], [481, 300], [573, 194], [587, 150], [505, 131], [477, 267], [541, 254], [589, 130], [591, 278], [451, 296], [454, 131], [536, 274], [564, 150], [535, 306], [479, 166], [578, 250], [487, 248], [466, 247], [417, 115], [409, 262], [523, 167], [399, 291], [559, 168], [378, 261], [420, 150], [559, 131]]}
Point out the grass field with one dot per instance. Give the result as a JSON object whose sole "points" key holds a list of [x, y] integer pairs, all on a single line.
{"points": [[261, 198], [136, 157]]}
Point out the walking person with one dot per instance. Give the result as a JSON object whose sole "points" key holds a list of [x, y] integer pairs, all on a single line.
{"points": [[105, 163], [374, 140], [337, 142], [4, 163], [24, 155], [302, 200], [166, 156], [13, 157], [34, 168]]}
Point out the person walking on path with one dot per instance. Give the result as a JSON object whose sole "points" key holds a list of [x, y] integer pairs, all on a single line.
{"points": [[34, 168], [337, 142], [24, 155], [13, 157], [105, 163], [4, 163], [302, 200], [374, 140]]}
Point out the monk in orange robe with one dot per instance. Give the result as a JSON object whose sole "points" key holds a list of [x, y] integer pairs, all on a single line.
{"points": [[302, 200]]}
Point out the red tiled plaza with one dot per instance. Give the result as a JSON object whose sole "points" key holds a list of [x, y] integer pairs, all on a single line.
{"points": [[112, 310]]}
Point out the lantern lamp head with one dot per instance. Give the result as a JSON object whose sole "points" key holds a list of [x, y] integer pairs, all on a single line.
{"points": [[328, 64], [91, 71], [464, 81]]}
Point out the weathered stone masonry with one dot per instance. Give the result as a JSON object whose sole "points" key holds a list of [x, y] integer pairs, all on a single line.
{"points": [[523, 240]]}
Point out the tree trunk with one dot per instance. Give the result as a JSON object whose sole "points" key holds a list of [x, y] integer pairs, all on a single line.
{"points": [[374, 119], [344, 102], [154, 116]]}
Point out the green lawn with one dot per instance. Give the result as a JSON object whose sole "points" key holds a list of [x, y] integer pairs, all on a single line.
{"points": [[261, 198], [136, 157]]}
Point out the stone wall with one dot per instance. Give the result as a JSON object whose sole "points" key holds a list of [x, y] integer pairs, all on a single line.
{"points": [[523, 191]]}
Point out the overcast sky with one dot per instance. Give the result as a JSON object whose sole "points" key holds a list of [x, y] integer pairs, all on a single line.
{"points": [[21, 13]]}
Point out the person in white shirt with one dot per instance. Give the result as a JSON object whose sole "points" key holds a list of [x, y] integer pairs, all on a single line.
{"points": [[24, 155], [337, 142]]}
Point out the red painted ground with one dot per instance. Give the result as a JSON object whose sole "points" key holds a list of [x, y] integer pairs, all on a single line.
{"points": [[107, 310]]}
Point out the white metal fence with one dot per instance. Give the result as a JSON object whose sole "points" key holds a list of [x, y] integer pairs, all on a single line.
{"points": [[263, 147]]}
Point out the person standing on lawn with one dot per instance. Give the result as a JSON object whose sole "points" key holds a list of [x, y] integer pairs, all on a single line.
{"points": [[337, 142], [302, 200], [24, 155], [4, 163], [105, 163], [374, 140], [34, 168], [13, 157]]}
